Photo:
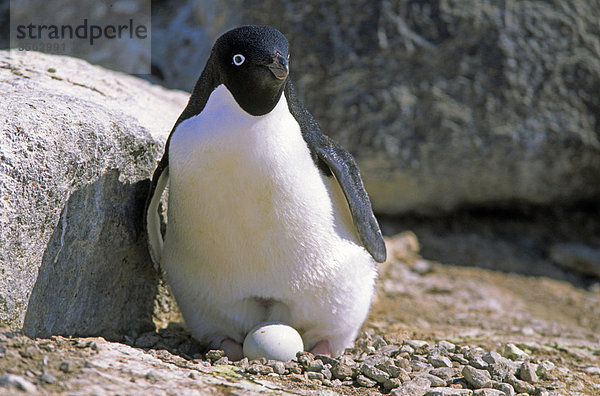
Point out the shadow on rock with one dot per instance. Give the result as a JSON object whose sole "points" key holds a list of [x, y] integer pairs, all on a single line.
{"points": [[96, 278]]}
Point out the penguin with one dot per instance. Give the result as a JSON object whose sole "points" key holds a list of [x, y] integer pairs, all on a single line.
{"points": [[268, 218]]}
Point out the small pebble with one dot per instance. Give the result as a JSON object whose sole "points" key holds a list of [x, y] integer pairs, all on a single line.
{"points": [[445, 373], [48, 378], [459, 358], [544, 370], [297, 378], [315, 365], [434, 380], [449, 392], [478, 362], [440, 361], [418, 386], [416, 366], [488, 392], [365, 382], [374, 373], [513, 352], [66, 366], [277, 366], [312, 375], [214, 355], [476, 377], [390, 368], [304, 358], [293, 367], [257, 368], [446, 346], [224, 360], [16, 381], [519, 385], [391, 383], [527, 373], [417, 345]]}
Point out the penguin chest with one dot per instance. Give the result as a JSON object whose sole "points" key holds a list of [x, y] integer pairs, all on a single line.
{"points": [[245, 196]]}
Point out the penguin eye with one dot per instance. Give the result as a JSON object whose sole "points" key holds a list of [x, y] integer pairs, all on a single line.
{"points": [[238, 59]]}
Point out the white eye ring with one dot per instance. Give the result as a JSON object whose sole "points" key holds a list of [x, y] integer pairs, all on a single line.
{"points": [[238, 59]]}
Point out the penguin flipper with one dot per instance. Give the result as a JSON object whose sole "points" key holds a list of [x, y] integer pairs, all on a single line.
{"points": [[151, 216], [346, 172], [330, 157]]}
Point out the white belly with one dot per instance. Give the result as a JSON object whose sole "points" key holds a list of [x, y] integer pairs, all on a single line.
{"points": [[250, 216]]}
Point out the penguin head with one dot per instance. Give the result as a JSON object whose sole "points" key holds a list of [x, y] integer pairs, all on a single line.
{"points": [[252, 62]]}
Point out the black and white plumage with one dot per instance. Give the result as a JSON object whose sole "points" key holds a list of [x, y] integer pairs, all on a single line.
{"points": [[268, 219]]}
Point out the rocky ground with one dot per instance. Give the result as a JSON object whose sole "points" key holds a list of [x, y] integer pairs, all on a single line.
{"points": [[435, 329]]}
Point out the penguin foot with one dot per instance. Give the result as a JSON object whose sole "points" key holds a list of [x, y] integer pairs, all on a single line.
{"points": [[321, 348], [233, 350]]}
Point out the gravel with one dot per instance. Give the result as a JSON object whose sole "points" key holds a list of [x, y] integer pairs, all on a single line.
{"points": [[412, 367]]}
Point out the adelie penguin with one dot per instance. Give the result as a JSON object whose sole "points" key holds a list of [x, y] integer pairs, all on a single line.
{"points": [[268, 219]]}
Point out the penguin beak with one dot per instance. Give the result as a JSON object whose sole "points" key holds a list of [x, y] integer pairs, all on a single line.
{"points": [[279, 67]]}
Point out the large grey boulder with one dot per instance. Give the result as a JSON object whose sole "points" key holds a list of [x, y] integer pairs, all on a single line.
{"points": [[444, 103], [78, 144]]}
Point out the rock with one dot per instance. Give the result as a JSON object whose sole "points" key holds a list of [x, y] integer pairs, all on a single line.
{"points": [[491, 357], [459, 358], [415, 387], [304, 358], [327, 373], [316, 365], [520, 386], [66, 366], [215, 354], [544, 370], [446, 347], [506, 388], [440, 361], [418, 346], [365, 381], [434, 380], [262, 369], [15, 381], [374, 373], [501, 369], [527, 373], [445, 373], [390, 368], [476, 377], [341, 371], [488, 392], [312, 375], [392, 383], [577, 257], [278, 367], [478, 362], [78, 145], [513, 352], [449, 392], [292, 367], [417, 366]]}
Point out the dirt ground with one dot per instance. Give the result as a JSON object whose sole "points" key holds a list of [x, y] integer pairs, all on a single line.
{"points": [[417, 298]]}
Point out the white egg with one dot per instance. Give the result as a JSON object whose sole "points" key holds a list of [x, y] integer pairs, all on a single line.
{"points": [[273, 340]]}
